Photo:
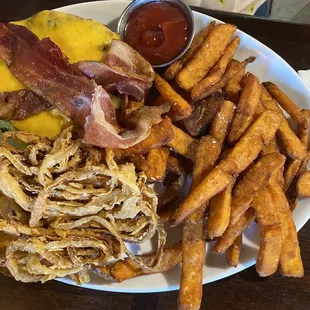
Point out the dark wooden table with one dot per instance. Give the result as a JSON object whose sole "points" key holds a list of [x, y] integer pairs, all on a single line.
{"points": [[242, 291]]}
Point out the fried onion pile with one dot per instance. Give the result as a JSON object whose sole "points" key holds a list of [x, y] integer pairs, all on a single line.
{"points": [[67, 207]]}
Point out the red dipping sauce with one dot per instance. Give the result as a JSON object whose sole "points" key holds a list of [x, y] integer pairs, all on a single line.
{"points": [[159, 31]]}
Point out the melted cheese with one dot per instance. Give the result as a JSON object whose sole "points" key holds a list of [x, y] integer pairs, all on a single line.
{"points": [[46, 123], [78, 38]]}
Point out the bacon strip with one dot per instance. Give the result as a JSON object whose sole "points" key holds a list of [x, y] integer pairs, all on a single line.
{"points": [[41, 66], [123, 69], [102, 130], [20, 104]]}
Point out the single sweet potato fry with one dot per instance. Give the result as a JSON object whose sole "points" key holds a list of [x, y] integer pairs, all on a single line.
{"points": [[233, 252], [232, 232], [177, 66], [287, 104], [271, 235], [206, 57], [157, 160], [246, 107], [252, 181], [260, 133], [218, 70], [222, 121], [161, 134], [177, 104], [296, 166], [193, 242], [290, 260], [233, 86], [219, 213], [182, 143], [229, 74], [303, 184], [127, 269], [208, 152], [289, 140], [269, 250]]}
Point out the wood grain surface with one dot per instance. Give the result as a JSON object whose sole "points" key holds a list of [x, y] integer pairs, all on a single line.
{"points": [[242, 291]]}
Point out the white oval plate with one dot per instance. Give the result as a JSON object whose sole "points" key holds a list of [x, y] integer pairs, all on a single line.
{"points": [[268, 67]]}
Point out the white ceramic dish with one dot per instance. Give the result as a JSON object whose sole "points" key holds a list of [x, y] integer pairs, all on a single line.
{"points": [[268, 67]]}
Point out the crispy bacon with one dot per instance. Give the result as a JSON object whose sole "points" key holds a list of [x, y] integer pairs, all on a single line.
{"points": [[98, 129], [123, 70], [20, 104], [42, 67]]}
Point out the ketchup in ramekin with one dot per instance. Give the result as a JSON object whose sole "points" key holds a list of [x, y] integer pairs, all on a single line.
{"points": [[160, 31]]}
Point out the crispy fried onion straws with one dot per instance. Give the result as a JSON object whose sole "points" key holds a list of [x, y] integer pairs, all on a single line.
{"points": [[66, 208]]}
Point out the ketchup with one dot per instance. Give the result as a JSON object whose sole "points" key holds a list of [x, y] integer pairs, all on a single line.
{"points": [[159, 31]]}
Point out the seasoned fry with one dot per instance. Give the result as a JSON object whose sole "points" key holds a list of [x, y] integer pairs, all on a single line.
{"points": [[202, 116], [208, 152], [290, 260], [233, 86], [222, 120], [303, 184], [220, 205], [229, 74], [206, 57], [246, 107], [193, 243], [261, 132], [287, 104], [177, 66], [252, 181], [296, 166], [127, 269], [271, 236], [233, 252], [269, 250], [160, 135], [290, 142], [219, 213], [157, 160], [259, 110], [233, 231], [219, 69], [178, 105], [182, 143], [271, 147]]}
